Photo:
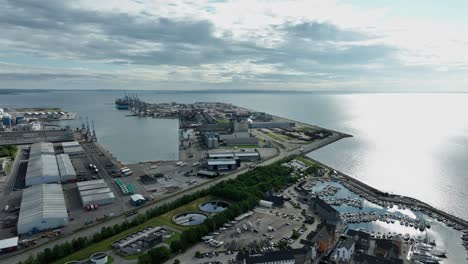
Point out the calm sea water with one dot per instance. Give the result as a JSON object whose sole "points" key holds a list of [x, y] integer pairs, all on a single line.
{"points": [[410, 144]]}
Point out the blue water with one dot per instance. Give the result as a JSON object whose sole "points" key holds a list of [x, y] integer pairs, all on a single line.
{"points": [[410, 144]]}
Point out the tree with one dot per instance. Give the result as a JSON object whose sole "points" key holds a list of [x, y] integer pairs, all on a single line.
{"points": [[176, 246], [198, 254], [159, 254], [176, 261]]}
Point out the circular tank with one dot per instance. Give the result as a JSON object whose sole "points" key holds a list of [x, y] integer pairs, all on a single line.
{"points": [[189, 218], [213, 206], [98, 258]]}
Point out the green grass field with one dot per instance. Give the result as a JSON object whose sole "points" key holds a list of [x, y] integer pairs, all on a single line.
{"points": [[306, 161], [278, 137], [164, 219], [222, 121]]}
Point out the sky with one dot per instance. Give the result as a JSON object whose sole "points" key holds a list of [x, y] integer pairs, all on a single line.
{"points": [[317, 45]]}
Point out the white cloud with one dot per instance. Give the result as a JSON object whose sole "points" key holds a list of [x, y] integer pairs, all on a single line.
{"points": [[241, 42]]}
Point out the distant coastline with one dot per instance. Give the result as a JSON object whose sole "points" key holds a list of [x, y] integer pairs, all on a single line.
{"points": [[227, 91]]}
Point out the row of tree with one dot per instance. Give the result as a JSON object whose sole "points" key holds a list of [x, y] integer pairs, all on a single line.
{"points": [[59, 251], [8, 151], [245, 192]]}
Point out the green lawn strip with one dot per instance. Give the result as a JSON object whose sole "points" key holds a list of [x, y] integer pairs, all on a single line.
{"points": [[110, 259], [306, 161], [222, 121], [164, 219], [276, 137]]}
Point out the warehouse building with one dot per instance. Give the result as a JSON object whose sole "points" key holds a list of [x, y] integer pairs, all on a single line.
{"points": [[72, 148], [66, 170], [98, 198], [242, 156], [42, 207], [137, 199], [38, 149], [95, 192], [42, 168], [248, 156], [238, 138], [220, 155], [222, 164]]}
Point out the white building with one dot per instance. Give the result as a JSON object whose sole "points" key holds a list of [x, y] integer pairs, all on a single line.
{"points": [[42, 168], [345, 250], [42, 207], [95, 192], [41, 148], [66, 170], [72, 148]]}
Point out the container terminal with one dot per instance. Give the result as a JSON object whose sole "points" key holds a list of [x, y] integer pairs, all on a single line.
{"points": [[56, 179]]}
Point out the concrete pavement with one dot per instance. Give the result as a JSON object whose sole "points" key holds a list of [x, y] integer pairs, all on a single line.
{"points": [[23, 255]]}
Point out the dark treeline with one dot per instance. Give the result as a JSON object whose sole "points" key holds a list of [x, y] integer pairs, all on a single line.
{"points": [[245, 192]]}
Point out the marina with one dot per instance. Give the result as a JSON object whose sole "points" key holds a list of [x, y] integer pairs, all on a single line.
{"points": [[420, 228]]}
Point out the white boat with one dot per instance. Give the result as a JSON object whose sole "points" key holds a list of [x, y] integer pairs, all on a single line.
{"points": [[439, 253]]}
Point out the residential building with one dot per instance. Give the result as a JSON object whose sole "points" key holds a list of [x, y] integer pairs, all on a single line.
{"points": [[362, 239], [344, 250]]}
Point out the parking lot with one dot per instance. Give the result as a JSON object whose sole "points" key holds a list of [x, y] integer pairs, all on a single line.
{"points": [[262, 232]]}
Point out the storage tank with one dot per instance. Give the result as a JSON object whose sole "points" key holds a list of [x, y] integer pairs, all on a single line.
{"points": [[98, 258]]}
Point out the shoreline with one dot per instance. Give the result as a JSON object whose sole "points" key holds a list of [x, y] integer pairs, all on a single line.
{"points": [[394, 198]]}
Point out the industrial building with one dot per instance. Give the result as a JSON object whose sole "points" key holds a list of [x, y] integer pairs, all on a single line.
{"points": [[137, 199], [242, 156], [140, 241], [42, 207], [211, 139], [41, 148], [248, 156], [238, 138], [222, 164], [42, 168], [95, 192], [72, 148], [220, 155], [66, 170]]}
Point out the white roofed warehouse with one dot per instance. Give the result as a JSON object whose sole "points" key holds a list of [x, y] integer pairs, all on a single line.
{"points": [[95, 192], [42, 168], [41, 148], [67, 172], [42, 207]]}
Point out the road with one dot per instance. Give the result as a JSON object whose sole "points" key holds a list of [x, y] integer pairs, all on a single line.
{"points": [[23, 255]]}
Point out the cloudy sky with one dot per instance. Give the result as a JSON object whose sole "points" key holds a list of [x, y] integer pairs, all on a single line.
{"points": [[355, 45]]}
